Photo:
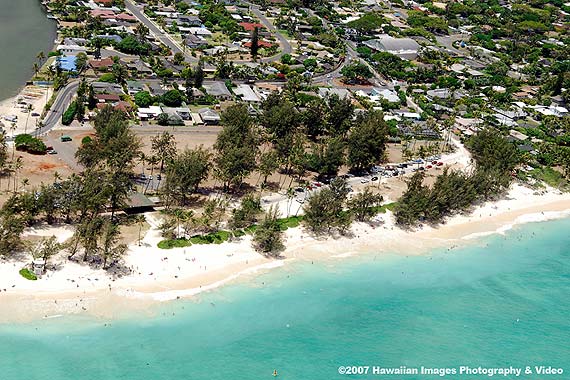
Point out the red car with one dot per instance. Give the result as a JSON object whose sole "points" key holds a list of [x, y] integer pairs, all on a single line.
{"points": [[434, 162], [440, 163], [429, 167]]}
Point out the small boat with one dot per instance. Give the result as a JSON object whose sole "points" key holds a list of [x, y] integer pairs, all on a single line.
{"points": [[274, 373]]}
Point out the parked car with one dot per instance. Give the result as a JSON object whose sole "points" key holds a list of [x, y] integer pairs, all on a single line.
{"points": [[364, 180], [65, 138], [35, 114], [440, 163], [299, 190], [374, 178], [51, 151], [429, 167]]}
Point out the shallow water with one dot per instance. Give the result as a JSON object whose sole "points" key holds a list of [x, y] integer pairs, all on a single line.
{"points": [[24, 32], [502, 301]]}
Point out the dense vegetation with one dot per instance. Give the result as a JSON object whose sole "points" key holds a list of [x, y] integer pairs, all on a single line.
{"points": [[456, 191]]}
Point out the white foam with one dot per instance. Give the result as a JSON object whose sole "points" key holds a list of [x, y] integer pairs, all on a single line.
{"points": [[523, 219], [170, 295]]}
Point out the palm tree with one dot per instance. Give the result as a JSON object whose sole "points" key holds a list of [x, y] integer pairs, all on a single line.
{"points": [[17, 165], [36, 69], [180, 216], [25, 182], [56, 177], [29, 108], [40, 57], [290, 196], [140, 219]]}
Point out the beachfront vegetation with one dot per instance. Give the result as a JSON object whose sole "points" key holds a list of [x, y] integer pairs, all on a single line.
{"points": [[27, 274], [456, 191], [268, 236], [30, 144], [325, 212]]}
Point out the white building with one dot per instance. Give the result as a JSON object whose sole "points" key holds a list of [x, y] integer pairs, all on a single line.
{"points": [[405, 48]]}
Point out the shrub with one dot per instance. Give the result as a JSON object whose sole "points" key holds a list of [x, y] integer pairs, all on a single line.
{"points": [[30, 144], [108, 77], [174, 243], [69, 114], [27, 274]]}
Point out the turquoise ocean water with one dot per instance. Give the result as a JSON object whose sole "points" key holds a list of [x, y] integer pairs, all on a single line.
{"points": [[502, 301]]}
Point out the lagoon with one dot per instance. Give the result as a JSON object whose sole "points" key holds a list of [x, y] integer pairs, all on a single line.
{"points": [[24, 32]]}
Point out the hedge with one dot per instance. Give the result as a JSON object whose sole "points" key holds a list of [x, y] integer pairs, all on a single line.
{"points": [[27, 274], [30, 144], [69, 114]]}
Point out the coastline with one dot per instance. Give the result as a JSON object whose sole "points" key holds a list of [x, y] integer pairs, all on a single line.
{"points": [[166, 275], [34, 95]]}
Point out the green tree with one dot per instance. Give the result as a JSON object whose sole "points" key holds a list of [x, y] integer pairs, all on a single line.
{"points": [[268, 237], [254, 43], [236, 146], [163, 147], [246, 214], [363, 205], [184, 173], [324, 212], [367, 140], [178, 58], [356, 72], [173, 98], [143, 99]]}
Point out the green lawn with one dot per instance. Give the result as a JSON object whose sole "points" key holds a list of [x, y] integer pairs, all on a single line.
{"points": [[550, 176], [174, 243], [27, 274]]}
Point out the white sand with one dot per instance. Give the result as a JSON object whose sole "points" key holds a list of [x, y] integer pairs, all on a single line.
{"points": [[32, 95], [161, 275]]}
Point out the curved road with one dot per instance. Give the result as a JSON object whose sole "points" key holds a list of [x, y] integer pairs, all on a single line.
{"points": [[58, 107], [284, 42], [175, 47]]}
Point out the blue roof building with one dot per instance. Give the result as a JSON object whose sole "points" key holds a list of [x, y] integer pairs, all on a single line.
{"points": [[67, 63]]}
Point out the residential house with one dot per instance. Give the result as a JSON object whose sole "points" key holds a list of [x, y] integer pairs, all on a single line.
{"points": [[405, 48], [342, 93], [209, 116], [107, 88], [247, 94], [134, 86], [151, 112], [140, 67], [194, 41], [218, 90], [104, 64]]}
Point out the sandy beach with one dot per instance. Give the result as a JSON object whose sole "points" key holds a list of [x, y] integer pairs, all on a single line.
{"points": [[165, 275], [16, 112]]}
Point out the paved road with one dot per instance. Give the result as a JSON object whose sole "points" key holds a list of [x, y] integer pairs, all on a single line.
{"points": [[283, 41], [58, 107], [65, 151], [166, 39], [157, 31]]}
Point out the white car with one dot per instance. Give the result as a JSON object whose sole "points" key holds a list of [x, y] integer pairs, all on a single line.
{"points": [[364, 180]]}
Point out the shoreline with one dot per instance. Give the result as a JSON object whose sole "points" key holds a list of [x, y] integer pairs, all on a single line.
{"points": [[8, 104], [182, 273]]}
